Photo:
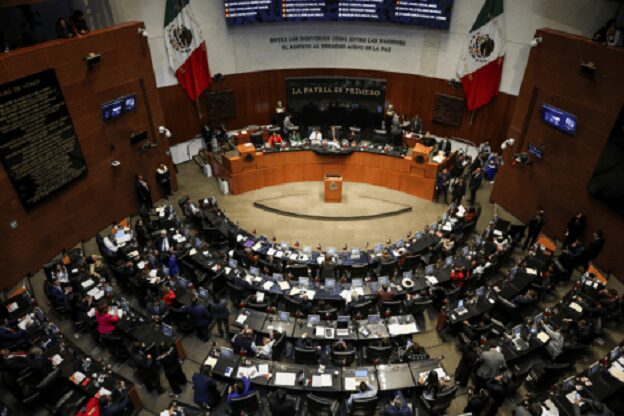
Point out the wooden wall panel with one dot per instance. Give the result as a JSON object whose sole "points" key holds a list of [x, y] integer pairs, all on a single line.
{"points": [[559, 182], [257, 92], [105, 194]]}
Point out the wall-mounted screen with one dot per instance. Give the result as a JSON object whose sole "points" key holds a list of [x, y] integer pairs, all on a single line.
{"points": [[559, 119], [431, 13], [115, 108]]}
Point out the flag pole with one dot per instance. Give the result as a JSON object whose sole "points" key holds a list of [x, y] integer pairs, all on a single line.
{"points": [[198, 109], [472, 116]]}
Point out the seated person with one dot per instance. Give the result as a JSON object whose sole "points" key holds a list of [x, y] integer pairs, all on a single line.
{"points": [[239, 389], [11, 337], [458, 276], [470, 215], [266, 350], [340, 346], [191, 210], [306, 306], [253, 302], [158, 310], [525, 298], [111, 244], [398, 406], [245, 342], [106, 322], [432, 385], [57, 294], [275, 140], [414, 351], [205, 393], [364, 391], [316, 137], [295, 138], [108, 407], [385, 294]]}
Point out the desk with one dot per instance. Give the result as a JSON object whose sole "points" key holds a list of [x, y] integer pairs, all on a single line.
{"points": [[484, 304], [351, 378], [395, 377], [333, 188], [274, 168]]}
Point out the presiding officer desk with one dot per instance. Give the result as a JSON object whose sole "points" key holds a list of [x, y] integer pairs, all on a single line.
{"points": [[376, 166]]}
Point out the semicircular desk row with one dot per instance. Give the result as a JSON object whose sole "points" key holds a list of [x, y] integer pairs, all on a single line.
{"points": [[247, 169]]}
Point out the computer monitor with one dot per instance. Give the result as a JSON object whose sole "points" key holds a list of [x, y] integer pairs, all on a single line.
{"points": [[278, 277], [378, 248], [614, 354], [314, 319], [356, 282], [481, 291], [448, 261], [331, 251], [400, 243], [383, 280], [538, 318], [517, 331], [355, 253], [254, 271], [361, 373], [568, 384], [373, 286], [419, 235], [408, 274], [284, 245], [233, 263], [429, 269], [342, 321], [183, 282], [226, 353], [374, 319], [203, 293], [123, 303], [478, 240], [283, 316], [304, 281], [330, 283], [465, 251], [307, 250], [460, 303], [167, 330]]}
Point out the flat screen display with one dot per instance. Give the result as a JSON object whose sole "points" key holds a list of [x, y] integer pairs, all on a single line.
{"points": [[559, 119], [431, 13], [115, 108]]}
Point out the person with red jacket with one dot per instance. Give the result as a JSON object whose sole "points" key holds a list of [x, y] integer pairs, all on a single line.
{"points": [[106, 322]]}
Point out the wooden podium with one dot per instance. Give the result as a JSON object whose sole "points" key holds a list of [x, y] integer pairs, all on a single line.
{"points": [[333, 188]]}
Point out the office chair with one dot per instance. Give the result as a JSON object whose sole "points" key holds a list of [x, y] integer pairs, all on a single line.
{"points": [[388, 268], [343, 358], [292, 306], [306, 356], [182, 203], [374, 355], [48, 268], [279, 347], [235, 293], [364, 407], [359, 270], [442, 401], [114, 345], [417, 307], [411, 262], [393, 307], [362, 310], [49, 390], [250, 404], [297, 270], [320, 406], [329, 314]]}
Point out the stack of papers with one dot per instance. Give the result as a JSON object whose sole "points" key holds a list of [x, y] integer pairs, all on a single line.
{"points": [[323, 380], [257, 246], [283, 285], [267, 286], [432, 280], [616, 371], [211, 361], [87, 283], [531, 271], [575, 306], [56, 360], [270, 252], [249, 372], [285, 379], [241, 319], [543, 337], [349, 383], [192, 252]]}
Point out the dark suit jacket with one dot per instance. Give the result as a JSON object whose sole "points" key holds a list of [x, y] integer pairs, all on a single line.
{"points": [[281, 407], [200, 316], [205, 390], [220, 310]]}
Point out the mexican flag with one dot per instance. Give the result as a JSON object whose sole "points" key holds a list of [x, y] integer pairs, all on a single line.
{"points": [[481, 64], [186, 48]]}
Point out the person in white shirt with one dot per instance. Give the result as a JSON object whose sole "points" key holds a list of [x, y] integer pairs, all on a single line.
{"points": [[288, 124], [365, 391], [316, 137], [111, 245], [556, 342], [190, 209]]}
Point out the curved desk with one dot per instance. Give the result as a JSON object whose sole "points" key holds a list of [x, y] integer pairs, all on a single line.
{"points": [[254, 170]]}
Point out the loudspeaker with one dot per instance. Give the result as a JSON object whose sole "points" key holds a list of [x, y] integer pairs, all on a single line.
{"points": [[138, 137], [93, 59], [588, 69]]}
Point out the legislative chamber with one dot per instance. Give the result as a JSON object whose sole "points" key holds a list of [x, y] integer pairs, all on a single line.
{"points": [[332, 207]]}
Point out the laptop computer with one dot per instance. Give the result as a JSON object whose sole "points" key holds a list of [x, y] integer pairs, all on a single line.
{"points": [[460, 309], [356, 282], [255, 271]]}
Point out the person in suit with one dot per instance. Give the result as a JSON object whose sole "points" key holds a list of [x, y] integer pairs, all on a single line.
{"points": [[164, 180], [158, 310], [147, 368], [141, 232], [142, 189], [446, 146], [441, 185], [384, 294], [288, 124], [57, 294], [205, 393], [475, 183], [497, 387], [305, 306], [479, 403], [469, 358], [280, 405], [245, 342], [398, 406], [221, 315], [594, 248], [200, 317], [575, 228], [534, 227], [191, 210], [108, 407], [488, 366], [163, 245], [458, 191], [169, 360]]}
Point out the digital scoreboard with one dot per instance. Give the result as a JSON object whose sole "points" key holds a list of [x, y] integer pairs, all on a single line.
{"points": [[431, 13]]}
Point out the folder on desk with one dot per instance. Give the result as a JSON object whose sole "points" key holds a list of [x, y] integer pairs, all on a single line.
{"points": [[323, 380], [285, 379], [575, 306]]}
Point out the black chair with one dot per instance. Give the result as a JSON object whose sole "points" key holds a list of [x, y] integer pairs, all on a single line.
{"points": [[250, 404], [235, 293], [329, 314], [48, 268], [306, 356], [364, 407], [374, 355], [181, 321], [359, 270], [114, 345], [442, 401], [417, 307], [411, 262], [279, 347], [292, 306], [182, 203], [297, 270], [391, 307], [388, 268], [320, 406], [362, 310], [49, 390], [342, 358]]}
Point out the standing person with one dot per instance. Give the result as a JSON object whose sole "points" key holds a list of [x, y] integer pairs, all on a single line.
{"points": [[459, 190], [221, 314], [164, 179], [200, 317], [147, 368], [143, 191], [170, 362], [534, 227], [475, 183], [441, 185], [206, 394], [574, 229], [594, 248], [466, 364], [490, 363]]}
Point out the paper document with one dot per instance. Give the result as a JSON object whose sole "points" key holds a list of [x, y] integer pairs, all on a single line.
{"points": [[267, 286], [285, 379], [349, 383], [241, 319], [323, 380], [263, 369], [531, 271], [319, 331], [283, 285], [575, 306], [211, 361], [543, 337]]}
